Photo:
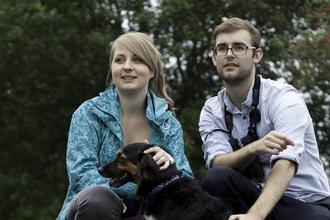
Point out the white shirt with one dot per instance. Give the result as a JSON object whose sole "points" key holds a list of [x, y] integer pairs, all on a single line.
{"points": [[282, 110]]}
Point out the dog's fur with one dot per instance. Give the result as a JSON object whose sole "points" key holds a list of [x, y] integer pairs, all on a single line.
{"points": [[182, 199]]}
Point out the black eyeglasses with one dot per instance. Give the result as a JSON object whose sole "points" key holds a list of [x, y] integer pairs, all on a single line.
{"points": [[237, 50]]}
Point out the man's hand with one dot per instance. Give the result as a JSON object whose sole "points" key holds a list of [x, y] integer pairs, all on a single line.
{"points": [[160, 156], [273, 143], [243, 217], [276, 184]]}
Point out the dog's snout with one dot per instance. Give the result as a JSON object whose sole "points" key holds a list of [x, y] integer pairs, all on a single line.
{"points": [[101, 171]]}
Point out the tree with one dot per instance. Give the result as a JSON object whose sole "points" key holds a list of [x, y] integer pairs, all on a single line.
{"points": [[309, 65], [54, 56], [184, 33]]}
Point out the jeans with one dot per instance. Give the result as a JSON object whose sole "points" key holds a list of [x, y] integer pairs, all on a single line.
{"points": [[99, 203], [235, 188]]}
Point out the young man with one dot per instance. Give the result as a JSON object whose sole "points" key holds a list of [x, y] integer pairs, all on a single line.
{"points": [[258, 137]]}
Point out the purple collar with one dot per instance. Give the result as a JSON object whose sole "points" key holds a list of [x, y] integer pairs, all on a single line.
{"points": [[163, 185]]}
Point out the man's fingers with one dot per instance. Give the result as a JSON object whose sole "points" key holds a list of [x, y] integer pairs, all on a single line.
{"points": [[274, 143], [277, 144], [283, 137], [234, 217]]}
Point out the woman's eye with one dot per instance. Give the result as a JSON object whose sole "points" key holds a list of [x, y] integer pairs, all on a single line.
{"points": [[119, 60], [137, 59]]}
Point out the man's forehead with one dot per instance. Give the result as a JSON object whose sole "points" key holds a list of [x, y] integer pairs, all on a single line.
{"points": [[237, 37]]}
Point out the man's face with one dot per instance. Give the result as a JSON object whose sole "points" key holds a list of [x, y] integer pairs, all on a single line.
{"points": [[231, 68]]}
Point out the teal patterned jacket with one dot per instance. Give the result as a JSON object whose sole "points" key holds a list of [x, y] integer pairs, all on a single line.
{"points": [[96, 135]]}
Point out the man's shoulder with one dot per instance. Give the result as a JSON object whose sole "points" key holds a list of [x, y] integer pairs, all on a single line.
{"points": [[216, 100], [275, 85]]}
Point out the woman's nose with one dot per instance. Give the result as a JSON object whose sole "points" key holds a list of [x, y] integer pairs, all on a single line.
{"points": [[128, 66]]}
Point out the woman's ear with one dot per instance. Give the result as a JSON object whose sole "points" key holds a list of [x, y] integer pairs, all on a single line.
{"points": [[152, 74]]}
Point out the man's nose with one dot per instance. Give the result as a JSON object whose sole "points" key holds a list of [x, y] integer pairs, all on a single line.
{"points": [[231, 52]]}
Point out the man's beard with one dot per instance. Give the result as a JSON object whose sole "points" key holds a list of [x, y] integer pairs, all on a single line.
{"points": [[237, 79]]}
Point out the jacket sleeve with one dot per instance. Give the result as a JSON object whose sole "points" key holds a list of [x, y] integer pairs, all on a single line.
{"points": [[175, 147], [82, 150]]}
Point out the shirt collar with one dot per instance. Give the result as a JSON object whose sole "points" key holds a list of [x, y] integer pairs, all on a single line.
{"points": [[246, 104]]}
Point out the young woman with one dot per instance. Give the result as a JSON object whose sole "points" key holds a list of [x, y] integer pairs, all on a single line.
{"points": [[134, 108]]}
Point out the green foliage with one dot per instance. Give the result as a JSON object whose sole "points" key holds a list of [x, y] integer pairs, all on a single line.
{"points": [[184, 33], [54, 56], [309, 69]]}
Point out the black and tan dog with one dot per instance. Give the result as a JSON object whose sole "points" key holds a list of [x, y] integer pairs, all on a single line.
{"points": [[165, 194]]}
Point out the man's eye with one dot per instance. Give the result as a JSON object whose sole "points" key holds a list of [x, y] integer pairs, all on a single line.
{"points": [[238, 48], [222, 48]]}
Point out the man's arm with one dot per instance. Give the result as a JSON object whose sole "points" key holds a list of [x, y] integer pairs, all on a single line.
{"points": [[273, 143], [277, 182], [236, 160]]}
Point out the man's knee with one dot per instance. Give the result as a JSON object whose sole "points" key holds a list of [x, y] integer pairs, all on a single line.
{"points": [[216, 178], [216, 175]]}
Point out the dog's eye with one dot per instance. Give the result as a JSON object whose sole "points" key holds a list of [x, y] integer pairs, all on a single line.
{"points": [[121, 159]]}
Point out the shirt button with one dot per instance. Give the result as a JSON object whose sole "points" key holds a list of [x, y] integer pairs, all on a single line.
{"points": [[244, 117]]}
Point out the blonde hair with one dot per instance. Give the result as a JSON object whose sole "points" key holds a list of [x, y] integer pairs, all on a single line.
{"points": [[143, 47]]}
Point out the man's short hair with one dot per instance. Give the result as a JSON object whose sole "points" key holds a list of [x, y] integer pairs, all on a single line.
{"points": [[235, 24]]}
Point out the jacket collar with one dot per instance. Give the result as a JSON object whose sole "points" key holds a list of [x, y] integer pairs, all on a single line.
{"points": [[107, 103]]}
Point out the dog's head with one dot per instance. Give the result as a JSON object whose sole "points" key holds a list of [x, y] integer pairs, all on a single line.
{"points": [[124, 168], [150, 175], [147, 167]]}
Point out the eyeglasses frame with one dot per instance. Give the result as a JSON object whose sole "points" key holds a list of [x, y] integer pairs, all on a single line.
{"points": [[247, 47]]}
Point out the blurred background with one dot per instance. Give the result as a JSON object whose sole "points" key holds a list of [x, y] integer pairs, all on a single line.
{"points": [[54, 56]]}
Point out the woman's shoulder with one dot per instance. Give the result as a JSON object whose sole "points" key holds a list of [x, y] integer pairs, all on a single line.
{"points": [[104, 102], [86, 106]]}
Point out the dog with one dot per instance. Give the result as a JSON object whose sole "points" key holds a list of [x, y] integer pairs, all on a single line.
{"points": [[164, 194]]}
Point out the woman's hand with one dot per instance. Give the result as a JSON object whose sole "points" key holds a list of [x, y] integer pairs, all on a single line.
{"points": [[160, 156]]}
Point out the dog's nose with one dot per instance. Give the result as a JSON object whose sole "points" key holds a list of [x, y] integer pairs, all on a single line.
{"points": [[100, 170]]}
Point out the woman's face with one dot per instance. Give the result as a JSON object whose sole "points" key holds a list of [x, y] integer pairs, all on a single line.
{"points": [[129, 73]]}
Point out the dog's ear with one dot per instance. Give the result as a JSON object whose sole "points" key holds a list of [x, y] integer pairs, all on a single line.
{"points": [[147, 166], [140, 155], [147, 146]]}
